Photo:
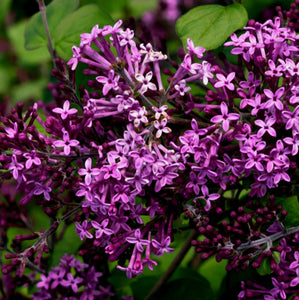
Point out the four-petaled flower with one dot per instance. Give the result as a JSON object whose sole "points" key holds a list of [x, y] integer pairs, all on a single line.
{"points": [[162, 246], [146, 82], [72, 282], [137, 240], [198, 51], [88, 171], [101, 228], [66, 143], [82, 230], [32, 159], [15, 167], [42, 189], [225, 117], [182, 88], [266, 127], [207, 197], [110, 82], [225, 81], [65, 111], [161, 127], [274, 99]]}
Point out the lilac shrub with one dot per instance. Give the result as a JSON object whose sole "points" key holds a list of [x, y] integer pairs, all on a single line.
{"points": [[61, 283], [140, 146]]}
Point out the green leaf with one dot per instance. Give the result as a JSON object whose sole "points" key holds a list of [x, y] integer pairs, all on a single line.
{"points": [[142, 285], [209, 26], [7, 75], [214, 272], [291, 205], [138, 7], [28, 90], [70, 243], [121, 283], [56, 11], [264, 268], [81, 21], [4, 7], [16, 36], [115, 8], [276, 256]]}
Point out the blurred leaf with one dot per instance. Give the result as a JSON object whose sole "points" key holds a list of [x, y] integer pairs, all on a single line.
{"points": [[256, 7], [231, 287], [115, 8], [4, 7], [291, 205], [56, 12], [142, 285], [81, 21], [69, 244], [25, 57], [37, 217], [28, 90], [7, 75], [214, 272], [138, 7], [188, 285], [209, 26], [121, 283]]}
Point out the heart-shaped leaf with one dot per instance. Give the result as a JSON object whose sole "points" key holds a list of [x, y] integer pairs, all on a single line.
{"points": [[291, 205], [65, 25], [81, 21], [209, 26], [56, 11]]}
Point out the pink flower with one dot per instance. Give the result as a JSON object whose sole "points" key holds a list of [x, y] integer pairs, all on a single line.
{"points": [[88, 171], [65, 111], [225, 117], [66, 143], [146, 82], [225, 81]]}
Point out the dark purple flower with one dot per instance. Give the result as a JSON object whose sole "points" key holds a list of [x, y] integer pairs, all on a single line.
{"points": [[72, 282], [162, 246], [207, 197], [82, 230], [101, 228], [137, 239]]}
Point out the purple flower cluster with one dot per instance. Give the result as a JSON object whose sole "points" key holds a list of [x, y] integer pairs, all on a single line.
{"points": [[284, 281], [71, 279], [140, 147]]}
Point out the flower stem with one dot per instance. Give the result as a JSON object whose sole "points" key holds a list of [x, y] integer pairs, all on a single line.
{"points": [[268, 239], [42, 8], [174, 264]]}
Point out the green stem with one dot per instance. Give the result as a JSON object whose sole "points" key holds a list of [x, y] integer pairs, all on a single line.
{"points": [[42, 8]]}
